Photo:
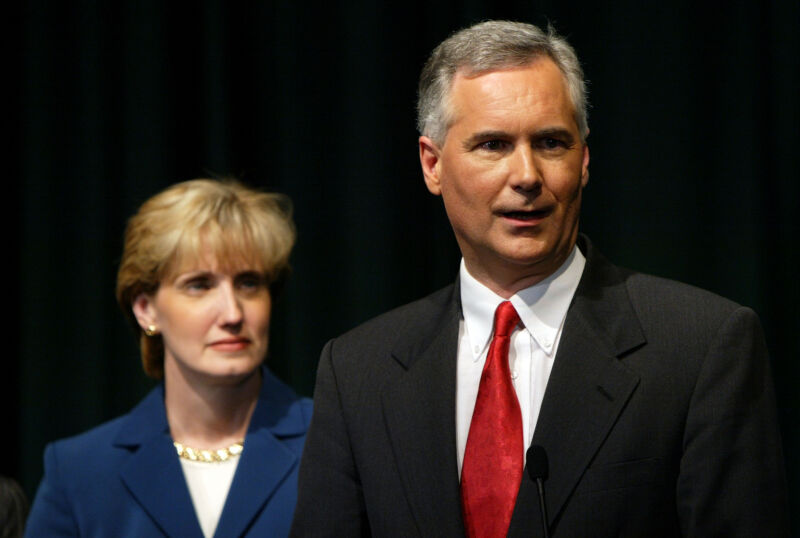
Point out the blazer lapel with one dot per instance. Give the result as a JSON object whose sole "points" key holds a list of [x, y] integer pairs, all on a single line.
{"points": [[265, 462], [264, 465], [419, 409], [153, 474], [588, 388]]}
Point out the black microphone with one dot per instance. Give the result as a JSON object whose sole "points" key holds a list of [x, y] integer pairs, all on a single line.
{"points": [[537, 470]]}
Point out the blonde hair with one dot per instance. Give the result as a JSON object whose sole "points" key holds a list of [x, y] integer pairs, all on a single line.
{"points": [[189, 220]]}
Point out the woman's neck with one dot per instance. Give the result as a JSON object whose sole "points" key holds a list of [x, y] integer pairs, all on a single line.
{"points": [[208, 413]]}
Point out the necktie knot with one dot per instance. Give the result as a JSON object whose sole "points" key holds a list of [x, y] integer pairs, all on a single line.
{"points": [[505, 319]]}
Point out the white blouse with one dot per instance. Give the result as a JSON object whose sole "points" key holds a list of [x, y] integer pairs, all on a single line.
{"points": [[209, 484]]}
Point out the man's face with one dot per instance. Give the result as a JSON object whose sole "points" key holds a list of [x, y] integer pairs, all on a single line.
{"points": [[510, 172]]}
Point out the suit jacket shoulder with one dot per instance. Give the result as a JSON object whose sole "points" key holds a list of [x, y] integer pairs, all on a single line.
{"points": [[411, 324], [656, 391], [380, 458]]}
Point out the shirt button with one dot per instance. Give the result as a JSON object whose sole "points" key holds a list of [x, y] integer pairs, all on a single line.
{"points": [[514, 374]]}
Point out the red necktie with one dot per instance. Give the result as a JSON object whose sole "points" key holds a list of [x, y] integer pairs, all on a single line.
{"points": [[492, 469]]}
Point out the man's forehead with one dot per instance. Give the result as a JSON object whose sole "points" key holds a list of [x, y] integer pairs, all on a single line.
{"points": [[468, 71], [538, 81]]}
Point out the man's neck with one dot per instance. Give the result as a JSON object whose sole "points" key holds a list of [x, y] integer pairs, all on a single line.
{"points": [[506, 282]]}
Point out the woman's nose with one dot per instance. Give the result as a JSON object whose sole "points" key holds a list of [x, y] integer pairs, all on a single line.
{"points": [[231, 312]]}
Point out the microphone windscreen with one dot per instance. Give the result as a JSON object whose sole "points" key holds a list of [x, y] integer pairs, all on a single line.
{"points": [[537, 462]]}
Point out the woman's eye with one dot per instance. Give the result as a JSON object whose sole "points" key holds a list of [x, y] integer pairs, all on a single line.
{"points": [[250, 282], [198, 285]]}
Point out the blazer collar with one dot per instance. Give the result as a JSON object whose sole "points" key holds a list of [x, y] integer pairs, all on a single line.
{"points": [[419, 409], [278, 410], [154, 476], [588, 388]]}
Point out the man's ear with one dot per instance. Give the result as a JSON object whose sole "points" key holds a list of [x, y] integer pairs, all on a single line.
{"points": [[429, 154], [585, 166], [144, 311]]}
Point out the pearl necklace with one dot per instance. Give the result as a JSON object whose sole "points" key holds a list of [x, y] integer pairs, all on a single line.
{"points": [[208, 456]]}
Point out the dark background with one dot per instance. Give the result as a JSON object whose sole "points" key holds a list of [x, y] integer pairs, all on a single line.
{"points": [[694, 172]]}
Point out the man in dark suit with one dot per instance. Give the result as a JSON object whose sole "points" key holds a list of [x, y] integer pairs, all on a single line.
{"points": [[652, 400]]}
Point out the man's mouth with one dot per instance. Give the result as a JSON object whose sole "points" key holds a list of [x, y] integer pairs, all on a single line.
{"points": [[526, 215]]}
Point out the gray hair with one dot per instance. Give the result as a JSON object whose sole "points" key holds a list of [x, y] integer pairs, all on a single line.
{"points": [[484, 47]]}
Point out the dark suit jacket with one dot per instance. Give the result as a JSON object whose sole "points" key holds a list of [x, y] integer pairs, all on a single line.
{"points": [[124, 479], [658, 419]]}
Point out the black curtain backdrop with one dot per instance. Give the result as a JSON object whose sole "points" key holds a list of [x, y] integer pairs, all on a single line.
{"points": [[694, 170]]}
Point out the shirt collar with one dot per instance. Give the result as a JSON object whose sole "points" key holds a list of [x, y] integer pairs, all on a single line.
{"points": [[541, 307]]}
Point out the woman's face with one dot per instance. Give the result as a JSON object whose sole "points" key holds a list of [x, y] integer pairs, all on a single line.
{"points": [[214, 321]]}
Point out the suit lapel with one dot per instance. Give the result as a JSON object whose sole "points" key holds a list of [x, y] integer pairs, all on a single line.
{"points": [[153, 474], [588, 388], [419, 409], [265, 462], [264, 465]]}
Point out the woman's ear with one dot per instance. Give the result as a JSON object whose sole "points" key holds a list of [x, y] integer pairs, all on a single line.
{"points": [[145, 313]]}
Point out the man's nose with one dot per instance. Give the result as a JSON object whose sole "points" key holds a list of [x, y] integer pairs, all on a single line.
{"points": [[524, 174]]}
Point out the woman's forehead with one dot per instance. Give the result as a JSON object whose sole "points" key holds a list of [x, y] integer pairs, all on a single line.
{"points": [[207, 260]]}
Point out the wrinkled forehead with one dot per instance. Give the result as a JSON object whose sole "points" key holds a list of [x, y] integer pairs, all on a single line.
{"points": [[542, 63], [547, 71]]}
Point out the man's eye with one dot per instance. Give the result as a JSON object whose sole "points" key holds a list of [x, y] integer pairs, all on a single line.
{"points": [[493, 145], [550, 143]]}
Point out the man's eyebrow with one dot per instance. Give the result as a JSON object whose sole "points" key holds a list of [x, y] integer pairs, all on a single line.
{"points": [[555, 132], [561, 133]]}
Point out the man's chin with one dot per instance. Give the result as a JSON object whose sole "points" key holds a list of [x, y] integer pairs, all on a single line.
{"points": [[536, 259]]}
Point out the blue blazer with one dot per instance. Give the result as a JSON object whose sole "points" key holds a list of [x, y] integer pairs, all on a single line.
{"points": [[123, 478]]}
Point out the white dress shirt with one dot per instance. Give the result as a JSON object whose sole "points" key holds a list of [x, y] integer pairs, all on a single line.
{"points": [[542, 309]]}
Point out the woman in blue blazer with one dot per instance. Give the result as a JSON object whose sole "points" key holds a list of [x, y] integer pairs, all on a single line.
{"points": [[214, 449]]}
